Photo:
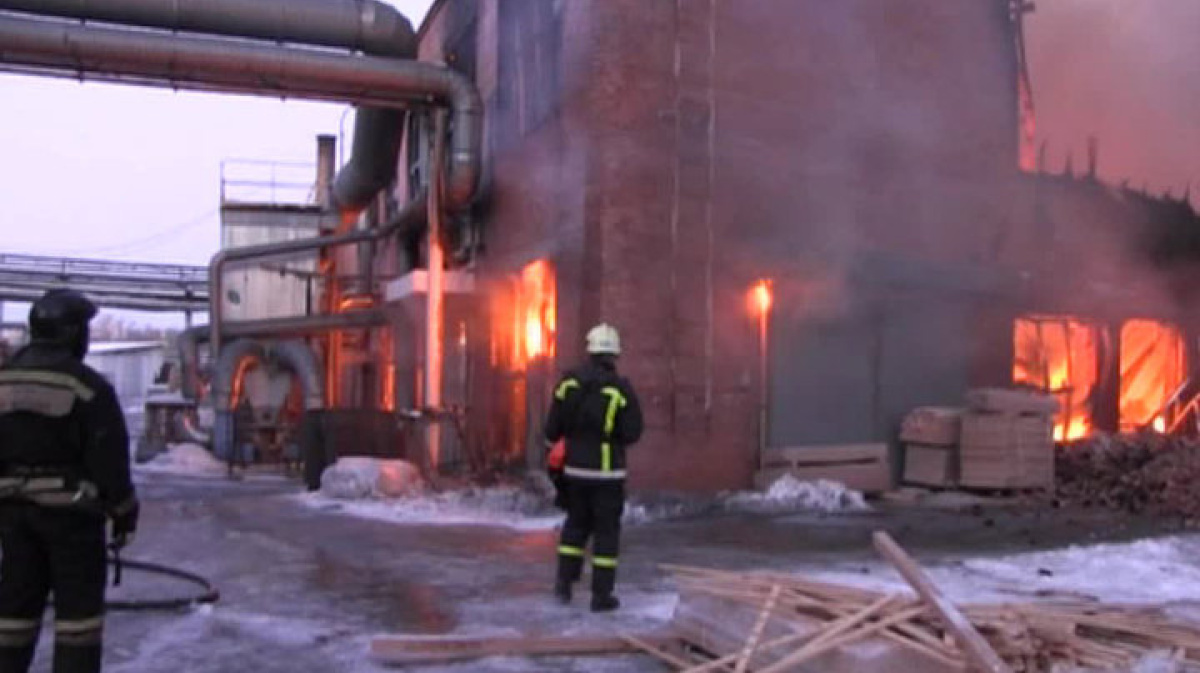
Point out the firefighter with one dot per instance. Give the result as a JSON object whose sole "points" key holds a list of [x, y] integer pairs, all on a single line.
{"points": [[596, 412], [64, 468]]}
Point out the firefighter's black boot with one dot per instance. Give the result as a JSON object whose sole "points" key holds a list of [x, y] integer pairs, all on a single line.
{"points": [[603, 583], [569, 570], [77, 658]]}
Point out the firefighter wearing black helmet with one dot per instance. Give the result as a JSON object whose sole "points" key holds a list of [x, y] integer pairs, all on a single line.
{"points": [[64, 469]]}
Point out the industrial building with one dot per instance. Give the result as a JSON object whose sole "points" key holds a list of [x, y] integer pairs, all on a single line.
{"points": [[806, 219]]}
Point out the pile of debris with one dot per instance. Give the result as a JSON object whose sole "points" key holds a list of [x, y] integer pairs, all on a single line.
{"points": [[1139, 473], [771, 622]]}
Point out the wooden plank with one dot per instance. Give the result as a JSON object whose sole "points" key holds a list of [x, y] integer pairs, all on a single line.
{"points": [[757, 631], [977, 650], [657, 652], [836, 453], [402, 649]]}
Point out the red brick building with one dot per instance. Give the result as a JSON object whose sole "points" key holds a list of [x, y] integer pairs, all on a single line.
{"points": [[649, 161]]}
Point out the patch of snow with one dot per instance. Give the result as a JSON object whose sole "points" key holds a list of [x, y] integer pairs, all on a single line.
{"points": [[354, 486], [1159, 571], [185, 459], [356, 478], [505, 506], [788, 494]]}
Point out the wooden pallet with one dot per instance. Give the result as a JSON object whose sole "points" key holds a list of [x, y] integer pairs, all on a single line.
{"points": [[862, 467]]}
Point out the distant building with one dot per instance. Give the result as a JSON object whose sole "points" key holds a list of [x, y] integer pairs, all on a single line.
{"points": [[130, 366]]}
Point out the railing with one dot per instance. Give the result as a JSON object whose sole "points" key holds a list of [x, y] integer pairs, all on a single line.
{"points": [[250, 181]]}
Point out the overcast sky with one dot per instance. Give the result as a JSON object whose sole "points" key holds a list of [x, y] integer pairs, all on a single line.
{"points": [[100, 170], [134, 173]]}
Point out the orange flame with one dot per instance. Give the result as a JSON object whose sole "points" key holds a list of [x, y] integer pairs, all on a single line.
{"points": [[536, 312]]}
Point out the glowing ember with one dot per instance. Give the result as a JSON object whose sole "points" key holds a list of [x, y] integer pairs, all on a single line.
{"points": [[1160, 424]]}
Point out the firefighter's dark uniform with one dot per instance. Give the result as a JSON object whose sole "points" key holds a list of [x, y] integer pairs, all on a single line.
{"points": [[597, 412], [64, 467]]}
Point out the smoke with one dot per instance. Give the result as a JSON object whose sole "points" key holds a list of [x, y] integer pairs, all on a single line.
{"points": [[1123, 72]]}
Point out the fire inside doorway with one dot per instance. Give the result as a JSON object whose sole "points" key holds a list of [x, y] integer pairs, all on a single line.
{"points": [[1069, 357]]}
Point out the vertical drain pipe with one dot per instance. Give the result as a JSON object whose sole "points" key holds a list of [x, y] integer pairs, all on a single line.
{"points": [[434, 295]]}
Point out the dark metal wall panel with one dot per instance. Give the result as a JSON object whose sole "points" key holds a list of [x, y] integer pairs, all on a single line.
{"points": [[821, 379]]}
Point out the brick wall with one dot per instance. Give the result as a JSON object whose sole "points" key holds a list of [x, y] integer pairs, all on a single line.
{"points": [[698, 145]]}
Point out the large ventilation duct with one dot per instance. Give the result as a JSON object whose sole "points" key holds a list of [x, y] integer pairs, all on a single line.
{"points": [[368, 26], [226, 65], [363, 25], [372, 165]]}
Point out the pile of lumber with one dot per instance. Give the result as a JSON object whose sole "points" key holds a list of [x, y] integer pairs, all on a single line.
{"points": [[1001, 440], [1139, 473], [770, 622]]}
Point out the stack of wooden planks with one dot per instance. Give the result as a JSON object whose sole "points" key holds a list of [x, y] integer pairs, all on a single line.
{"points": [[771, 622], [762, 621], [1007, 440]]}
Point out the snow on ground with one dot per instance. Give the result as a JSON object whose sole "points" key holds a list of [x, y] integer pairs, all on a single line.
{"points": [[391, 490], [184, 459], [1160, 571]]}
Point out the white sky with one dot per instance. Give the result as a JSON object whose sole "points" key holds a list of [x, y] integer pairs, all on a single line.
{"points": [[124, 172]]}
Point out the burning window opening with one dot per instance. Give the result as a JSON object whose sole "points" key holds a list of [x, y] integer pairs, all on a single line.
{"points": [[1058, 355], [1153, 367], [534, 314]]}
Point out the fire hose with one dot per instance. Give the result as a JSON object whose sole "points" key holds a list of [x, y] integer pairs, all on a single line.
{"points": [[206, 593]]}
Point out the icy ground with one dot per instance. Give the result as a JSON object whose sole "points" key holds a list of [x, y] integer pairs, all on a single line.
{"points": [[308, 579]]}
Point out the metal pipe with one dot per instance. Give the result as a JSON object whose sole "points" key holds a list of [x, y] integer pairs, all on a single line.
{"points": [[225, 368], [305, 325], [372, 165], [104, 301], [238, 66], [433, 297], [300, 359], [216, 272], [188, 343], [364, 25]]}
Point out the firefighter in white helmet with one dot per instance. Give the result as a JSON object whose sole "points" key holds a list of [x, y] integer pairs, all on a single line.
{"points": [[596, 413]]}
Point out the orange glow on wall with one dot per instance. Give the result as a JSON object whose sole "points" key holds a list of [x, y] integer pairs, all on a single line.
{"points": [[1058, 355], [1153, 366], [760, 297]]}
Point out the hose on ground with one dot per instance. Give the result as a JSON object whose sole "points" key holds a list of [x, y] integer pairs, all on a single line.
{"points": [[207, 593]]}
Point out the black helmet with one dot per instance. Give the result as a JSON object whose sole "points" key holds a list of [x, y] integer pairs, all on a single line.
{"points": [[61, 316]]}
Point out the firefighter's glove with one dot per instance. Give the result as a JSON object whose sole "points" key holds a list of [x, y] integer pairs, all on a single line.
{"points": [[124, 523]]}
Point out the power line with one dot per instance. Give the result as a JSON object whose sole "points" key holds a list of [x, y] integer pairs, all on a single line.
{"points": [[145, 241]]}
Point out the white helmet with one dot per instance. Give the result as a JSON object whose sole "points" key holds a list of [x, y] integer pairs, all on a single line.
{"points": [[603, 339]]}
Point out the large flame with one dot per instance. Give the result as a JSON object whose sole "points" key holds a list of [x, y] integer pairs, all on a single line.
{"points": [[1058, 355], [1153, 366]]}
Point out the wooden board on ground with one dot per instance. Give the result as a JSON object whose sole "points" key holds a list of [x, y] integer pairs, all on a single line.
{"points": [[862, 467], [719, 627], [403, 649], [969, 640]]}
